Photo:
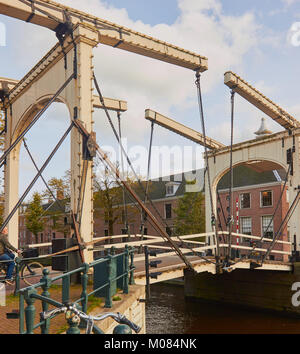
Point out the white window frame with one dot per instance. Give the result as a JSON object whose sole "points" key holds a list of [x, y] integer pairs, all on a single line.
{"points": [[241, 200], [261, 198], [262, 227], [241, 223]]}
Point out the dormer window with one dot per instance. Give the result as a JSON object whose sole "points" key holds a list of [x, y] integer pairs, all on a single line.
{"points": [[171, 188]]}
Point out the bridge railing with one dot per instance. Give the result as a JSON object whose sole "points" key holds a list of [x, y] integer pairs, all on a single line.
{"points": [[29, 295], [205, 248]]}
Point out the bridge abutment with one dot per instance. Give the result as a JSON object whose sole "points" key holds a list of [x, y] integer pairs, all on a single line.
{"points": [[260, 289]]}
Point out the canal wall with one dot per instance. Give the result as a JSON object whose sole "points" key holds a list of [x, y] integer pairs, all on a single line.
{"points": [[129, 305], [260, 289]]}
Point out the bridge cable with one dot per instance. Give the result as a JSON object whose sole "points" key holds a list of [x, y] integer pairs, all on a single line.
{"points": [[183, 243], [213, 217], [42, 178], [230, 216], [123, 150], [36, 118], [223, 214], [283, 224], [11, 214], [125, 209], [81, 192], [276, 208], [143, 214]]}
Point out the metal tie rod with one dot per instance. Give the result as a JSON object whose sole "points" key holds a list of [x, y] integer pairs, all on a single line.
{"points": [[36, 177], [43, 179], [115, 170], [36, 118]]}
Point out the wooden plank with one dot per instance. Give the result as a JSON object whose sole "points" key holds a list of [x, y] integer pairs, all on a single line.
{"points": [[181, 129], [253, 237], [49, 14], [260, 101], [110, 103]]}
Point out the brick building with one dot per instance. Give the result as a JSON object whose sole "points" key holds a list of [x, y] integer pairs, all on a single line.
{"points": [[256, 194], [256, 197]]}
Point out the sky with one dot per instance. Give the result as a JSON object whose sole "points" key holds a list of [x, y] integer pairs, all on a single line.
{"points": [[258, 40]]}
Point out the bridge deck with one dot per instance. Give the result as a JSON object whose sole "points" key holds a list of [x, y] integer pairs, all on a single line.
{"points": [[172, 268]]}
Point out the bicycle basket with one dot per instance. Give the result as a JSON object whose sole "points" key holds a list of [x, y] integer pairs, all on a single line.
{"points": [[31, 253]]}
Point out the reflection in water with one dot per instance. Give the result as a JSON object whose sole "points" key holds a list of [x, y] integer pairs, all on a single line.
{"points": [[168, 312]]}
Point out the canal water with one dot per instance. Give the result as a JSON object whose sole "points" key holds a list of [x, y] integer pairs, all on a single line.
{"points": [[168, 312]]}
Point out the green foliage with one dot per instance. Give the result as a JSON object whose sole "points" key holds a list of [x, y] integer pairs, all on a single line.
{"points": [[33, 217], [190, 214], [116, 298], [60, 187], [108, 201]]}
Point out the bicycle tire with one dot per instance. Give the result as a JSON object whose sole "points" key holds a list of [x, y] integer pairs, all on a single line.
{"points": [[26, 275]]}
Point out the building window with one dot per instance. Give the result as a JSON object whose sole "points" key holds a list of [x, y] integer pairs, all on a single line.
{"points": [[245, 200], [53, 235], [246, 225], [267, 231], [106, 217], [266, 198], [105, 232], [168, 211], [170, 190], [145, 231]]}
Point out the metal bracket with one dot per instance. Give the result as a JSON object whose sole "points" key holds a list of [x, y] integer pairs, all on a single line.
{"points": [[89, 147]]}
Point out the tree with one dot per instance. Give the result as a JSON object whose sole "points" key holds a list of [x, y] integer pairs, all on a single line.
{"points": [[33, 217], [190, 214], [60, 187], [108, 201]]}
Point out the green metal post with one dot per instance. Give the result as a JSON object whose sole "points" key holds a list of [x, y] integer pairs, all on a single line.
{"points": [[84, 283], [17, 278], [113, 250], [30, 310], [22, 314], [108, 298], [46, 283], [65, 289], [126, 271], [131, 279]]}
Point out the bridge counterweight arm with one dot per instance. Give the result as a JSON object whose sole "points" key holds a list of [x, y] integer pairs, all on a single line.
{"points": [[260, 101], [181, 129], [50, 14]]}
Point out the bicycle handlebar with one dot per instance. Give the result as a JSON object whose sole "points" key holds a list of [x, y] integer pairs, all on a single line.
{"points": [[118, 317]]}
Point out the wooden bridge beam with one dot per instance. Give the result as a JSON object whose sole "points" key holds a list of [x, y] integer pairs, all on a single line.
{"points": [[182, 130], [260, 101], [50, 14]]}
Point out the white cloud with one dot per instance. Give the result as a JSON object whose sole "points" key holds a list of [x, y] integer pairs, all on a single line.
{"points": [[290, 2]]}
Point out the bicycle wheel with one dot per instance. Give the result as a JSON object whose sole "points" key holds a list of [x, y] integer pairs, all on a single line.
{"points": [[32, 272]]}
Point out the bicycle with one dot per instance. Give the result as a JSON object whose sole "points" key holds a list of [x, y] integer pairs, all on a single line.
{"points": [[28, 269], [74, 315]]}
